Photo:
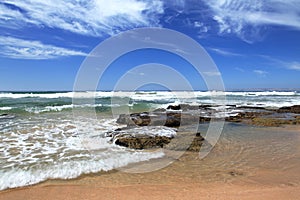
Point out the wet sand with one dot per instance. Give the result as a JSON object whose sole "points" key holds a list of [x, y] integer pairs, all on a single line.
{"points": [[225, 174], [175, 191]]}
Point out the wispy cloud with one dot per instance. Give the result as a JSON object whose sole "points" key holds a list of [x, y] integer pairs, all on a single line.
{"points": [[290, 65], [224, 52], [260, 72], [239, 69], [94, 17], [28, 49], [294, 66], [212, 73], [245, 17]]}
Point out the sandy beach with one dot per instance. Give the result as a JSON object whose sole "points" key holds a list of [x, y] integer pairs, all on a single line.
{"points": [[174, 191], [180, 180]]}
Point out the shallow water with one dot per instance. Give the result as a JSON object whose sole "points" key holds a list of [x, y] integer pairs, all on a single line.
{"points": [[257, 154]]}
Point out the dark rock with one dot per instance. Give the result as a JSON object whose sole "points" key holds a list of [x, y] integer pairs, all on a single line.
{"points": [[252, 107], [184, 114], [159, 110], [290, 109], [187, 107], [6, 116], [169, 119], [174, 107], [140, 138], [141, 119], [142, 142]]}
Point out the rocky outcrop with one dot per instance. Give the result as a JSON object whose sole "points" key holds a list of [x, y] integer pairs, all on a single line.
{"points": [[169, 119], [185, 115], [291, 109], [147, 138]]}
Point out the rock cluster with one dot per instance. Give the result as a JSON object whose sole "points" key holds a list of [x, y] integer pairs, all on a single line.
{"points": [[184, 115]]}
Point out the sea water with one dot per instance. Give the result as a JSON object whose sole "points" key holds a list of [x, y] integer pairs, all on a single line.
{"points": [[47, 135]]}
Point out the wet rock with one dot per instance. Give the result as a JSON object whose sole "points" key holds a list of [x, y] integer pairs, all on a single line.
{"points": [[159, 110], [252, 107], [184, 114], [262, 121], [187, 107], [169, 119], [142, 137], [174, 107], [142, 142], [6, 116], [145, 138], [290, 109]]}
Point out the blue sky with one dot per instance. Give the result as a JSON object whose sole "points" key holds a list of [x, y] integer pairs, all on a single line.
{"points": [[254, 43]]}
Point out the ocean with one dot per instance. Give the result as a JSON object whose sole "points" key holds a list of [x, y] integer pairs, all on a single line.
{"points": [[61, 135]]}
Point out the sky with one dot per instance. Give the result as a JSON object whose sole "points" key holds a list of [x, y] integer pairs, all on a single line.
{"points": [[254, 43]]}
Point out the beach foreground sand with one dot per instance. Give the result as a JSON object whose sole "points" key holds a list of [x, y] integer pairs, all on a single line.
{"points": [[174, 191], [185, 178]]}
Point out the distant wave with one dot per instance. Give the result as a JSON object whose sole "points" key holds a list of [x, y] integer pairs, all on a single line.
{"points": [[140, 95]]}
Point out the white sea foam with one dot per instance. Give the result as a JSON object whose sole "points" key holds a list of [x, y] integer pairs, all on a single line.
{"points": [[60, 108], [15, 177], [151, 131], [266, 93], [64, 149], [6, 108]]}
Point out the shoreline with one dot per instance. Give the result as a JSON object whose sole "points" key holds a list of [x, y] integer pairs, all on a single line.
{"points": [[179, 180]]}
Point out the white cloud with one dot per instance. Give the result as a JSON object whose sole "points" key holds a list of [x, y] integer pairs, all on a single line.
{"points": [[87, 17], [212, 73], [201, 27], [244, 17], [293, 66], [224, 52], [260, 72], [28, 49]]}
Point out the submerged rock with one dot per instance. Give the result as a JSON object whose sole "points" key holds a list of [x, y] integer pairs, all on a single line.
{"points": [[186, 141], [263, 121]]}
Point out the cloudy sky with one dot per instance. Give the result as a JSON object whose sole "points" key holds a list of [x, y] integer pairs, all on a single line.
{"points": [[254, 43]]}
